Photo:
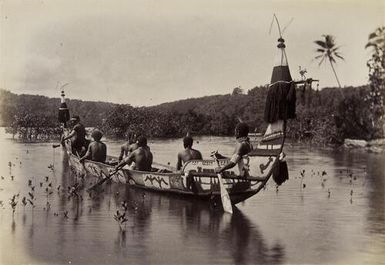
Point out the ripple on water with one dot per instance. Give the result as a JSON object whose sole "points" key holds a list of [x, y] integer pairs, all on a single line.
{"points": [[292, 225]]}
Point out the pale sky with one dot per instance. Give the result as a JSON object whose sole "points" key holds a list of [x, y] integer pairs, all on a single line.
{"points": [[146, 52]]}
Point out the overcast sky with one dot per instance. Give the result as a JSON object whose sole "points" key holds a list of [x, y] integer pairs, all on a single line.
{"points": [[145, 52]]}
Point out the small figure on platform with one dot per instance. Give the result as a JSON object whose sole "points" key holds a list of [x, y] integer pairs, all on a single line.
{"points": [[128, 147], [77, 136], [242, 148], [139, 159], [188, 153], [97, 150]]}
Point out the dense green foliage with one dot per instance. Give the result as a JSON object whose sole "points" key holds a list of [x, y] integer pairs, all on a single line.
{"points": [[32, 117], [375, 98], [211, 115], [323, 117]]}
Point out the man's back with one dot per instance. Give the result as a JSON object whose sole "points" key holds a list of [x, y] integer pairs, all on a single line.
{"points": [[98, 151], [190, 154], [80, 136], [142, 157], [187, 155]]}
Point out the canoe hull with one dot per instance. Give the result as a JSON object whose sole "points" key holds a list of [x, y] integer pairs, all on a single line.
{"points": [[197, 178], [199, 185]]}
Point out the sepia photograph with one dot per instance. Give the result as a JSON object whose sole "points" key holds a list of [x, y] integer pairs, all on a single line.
{"points": [[192, 132]]}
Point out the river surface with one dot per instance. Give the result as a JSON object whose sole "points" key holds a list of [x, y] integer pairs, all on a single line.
{"points": [[333, 214]]}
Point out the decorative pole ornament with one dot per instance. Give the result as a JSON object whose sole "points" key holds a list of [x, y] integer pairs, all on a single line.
{"points": [[281, 98], [64, 113]]}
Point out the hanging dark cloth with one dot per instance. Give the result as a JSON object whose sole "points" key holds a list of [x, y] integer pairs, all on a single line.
{"points": [[281, 97], [280, 173], [64, 114], [291, 99]]}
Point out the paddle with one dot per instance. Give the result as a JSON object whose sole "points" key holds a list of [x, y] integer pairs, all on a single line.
{"points": [[225, 198], [104, 180]]}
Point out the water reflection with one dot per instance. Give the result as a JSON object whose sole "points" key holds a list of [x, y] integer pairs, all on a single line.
{"points": [[220, 234], [376, 181], [248, 244], [168, 229], [13, 227]]}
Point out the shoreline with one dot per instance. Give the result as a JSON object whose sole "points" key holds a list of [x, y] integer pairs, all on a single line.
{"points": [[371, 146]]}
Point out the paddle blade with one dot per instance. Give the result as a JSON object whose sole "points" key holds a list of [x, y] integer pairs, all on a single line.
{"points": [[103, 180], [225, 198], [96, 184]]}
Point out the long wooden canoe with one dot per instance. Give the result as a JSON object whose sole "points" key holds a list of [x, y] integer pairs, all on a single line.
{"points": [[197, 177]]}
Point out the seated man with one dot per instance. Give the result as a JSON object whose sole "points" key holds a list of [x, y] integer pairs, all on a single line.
{"points": [[97, 150], [77, 136], [188, 153], [128, 147], [242, 148], [142, 156]]}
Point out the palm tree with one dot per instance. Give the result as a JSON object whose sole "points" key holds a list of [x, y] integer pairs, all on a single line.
{"points": [[328, 51], [377, 39], [376, 65]]}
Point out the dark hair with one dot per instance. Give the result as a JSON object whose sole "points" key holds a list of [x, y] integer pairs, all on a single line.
{"points": [[242, 129], [97, 135], [75, 118], [142, 141], [187, 141]]}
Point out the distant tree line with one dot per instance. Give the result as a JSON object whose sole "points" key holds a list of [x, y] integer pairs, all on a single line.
{"points": [[323, 117], [35, 118], [211, 115]]}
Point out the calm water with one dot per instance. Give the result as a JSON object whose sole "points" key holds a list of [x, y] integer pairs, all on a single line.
{"points": [[337, 218]]}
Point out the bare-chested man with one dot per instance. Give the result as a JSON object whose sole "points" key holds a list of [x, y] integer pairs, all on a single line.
{"points": [[77, 136], [242, 148], [97, 150], [188, 153], [128, 147], [142, 156]]}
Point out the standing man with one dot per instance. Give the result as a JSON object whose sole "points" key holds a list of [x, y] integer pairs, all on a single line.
{"points": [[77, 136], [97, 150], [188, 153], [142, 156], [242, 148]]}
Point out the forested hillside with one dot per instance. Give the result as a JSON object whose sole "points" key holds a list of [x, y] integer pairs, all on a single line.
{"points": [[33, 116], [325, 116]]}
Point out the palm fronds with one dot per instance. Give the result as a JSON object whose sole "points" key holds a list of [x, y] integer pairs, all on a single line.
{"points": [[327, 50]]}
